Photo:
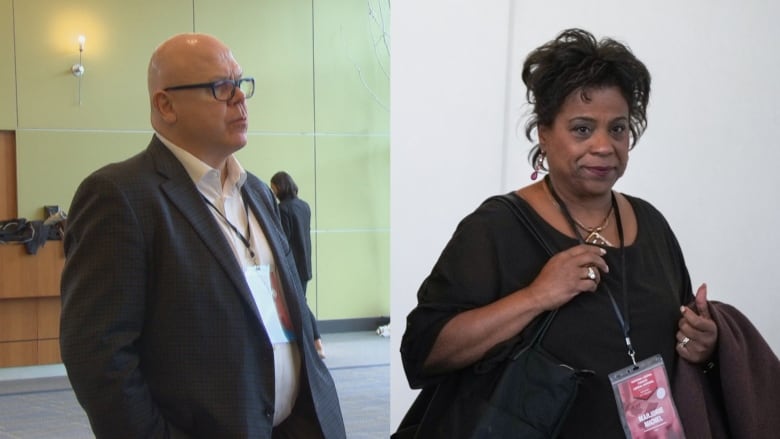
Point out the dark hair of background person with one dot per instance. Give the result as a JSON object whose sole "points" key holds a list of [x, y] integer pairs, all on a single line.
{"points": [[575, 60], [285, 186]]}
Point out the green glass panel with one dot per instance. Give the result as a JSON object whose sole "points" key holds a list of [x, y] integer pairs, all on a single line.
{"points": [[353, 274], [51, 164], [272, 40], [353, 182], [352, 66], [264, 155], [119, 39]]}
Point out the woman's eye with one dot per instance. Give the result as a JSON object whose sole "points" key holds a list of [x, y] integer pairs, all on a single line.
{"points": [[619, 131], [581, 130]]}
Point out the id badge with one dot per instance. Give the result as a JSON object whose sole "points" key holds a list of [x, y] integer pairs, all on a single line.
{"points": [[644, 401], [273, 311]]}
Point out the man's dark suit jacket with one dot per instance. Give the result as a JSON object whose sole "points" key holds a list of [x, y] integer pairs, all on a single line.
{"points": [[159, 333]]}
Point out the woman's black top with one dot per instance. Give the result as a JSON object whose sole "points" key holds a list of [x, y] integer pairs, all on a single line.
{"points": [[295, 216], [491, 255]]}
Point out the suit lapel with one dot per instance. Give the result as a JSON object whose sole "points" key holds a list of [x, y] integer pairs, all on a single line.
{"points": [[263, 206], [183, 194]]}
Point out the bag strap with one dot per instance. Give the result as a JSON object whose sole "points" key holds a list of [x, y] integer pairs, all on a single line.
{"points": [[510, 200]]}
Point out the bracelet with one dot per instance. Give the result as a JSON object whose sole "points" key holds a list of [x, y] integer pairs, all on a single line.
{"points": [[708, 367]]}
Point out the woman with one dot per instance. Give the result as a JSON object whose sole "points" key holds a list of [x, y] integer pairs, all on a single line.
{"points": [[296, 222], [618, 269]]}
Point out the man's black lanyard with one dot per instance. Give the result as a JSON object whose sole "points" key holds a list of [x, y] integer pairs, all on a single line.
{"points": [[243, 239], [625, 324]]}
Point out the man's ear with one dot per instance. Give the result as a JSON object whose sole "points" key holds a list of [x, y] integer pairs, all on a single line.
{"points": [[163, 104]]}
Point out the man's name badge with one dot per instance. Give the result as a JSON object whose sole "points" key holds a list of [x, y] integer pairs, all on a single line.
{"points": [[264, 284], [644, 401]]}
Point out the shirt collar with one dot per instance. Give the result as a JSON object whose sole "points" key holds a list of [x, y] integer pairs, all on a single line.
{"points": [[206, 178]]}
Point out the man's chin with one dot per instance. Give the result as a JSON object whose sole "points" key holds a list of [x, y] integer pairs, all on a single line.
{"points": [[240, 142]]}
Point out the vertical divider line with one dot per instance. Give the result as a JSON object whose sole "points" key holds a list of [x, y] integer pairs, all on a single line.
{"points": [[314, 148], [508, 89]]}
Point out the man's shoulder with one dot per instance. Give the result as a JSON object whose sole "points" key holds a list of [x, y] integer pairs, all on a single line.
{"points": [[256, 184], [134, 168], [258, 189]]}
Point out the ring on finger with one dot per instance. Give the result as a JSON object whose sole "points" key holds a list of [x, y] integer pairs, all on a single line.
{"points": [[591, 273], [684, 342]]}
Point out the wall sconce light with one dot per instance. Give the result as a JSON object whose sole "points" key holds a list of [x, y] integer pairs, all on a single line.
{"points": [[78, 69]]}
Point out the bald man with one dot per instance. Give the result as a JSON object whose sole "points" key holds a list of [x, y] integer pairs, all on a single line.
{"points": [[182, 312]]}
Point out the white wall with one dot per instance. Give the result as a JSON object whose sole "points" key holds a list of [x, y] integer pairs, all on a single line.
{"points": [[447, 125], [708, 159]]}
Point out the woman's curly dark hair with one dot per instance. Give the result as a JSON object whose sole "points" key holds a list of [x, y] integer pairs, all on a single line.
{"points": [[575, 60]]}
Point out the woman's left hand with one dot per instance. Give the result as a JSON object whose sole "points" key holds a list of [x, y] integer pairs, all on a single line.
{"points": [[697, 336]]}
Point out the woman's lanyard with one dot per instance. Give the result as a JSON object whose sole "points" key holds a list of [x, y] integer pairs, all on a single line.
{"points": [[625, 324], [245, 240]]}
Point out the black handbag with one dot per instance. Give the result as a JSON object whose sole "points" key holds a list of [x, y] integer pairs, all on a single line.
{"points": [[522, 392], [518, 391]]}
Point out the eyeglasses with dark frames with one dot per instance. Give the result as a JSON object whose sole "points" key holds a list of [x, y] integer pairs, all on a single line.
{"points": [[224, 89]]}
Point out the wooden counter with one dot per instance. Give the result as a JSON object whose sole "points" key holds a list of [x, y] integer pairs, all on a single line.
{"points": [[29, 284], [30, 304]]}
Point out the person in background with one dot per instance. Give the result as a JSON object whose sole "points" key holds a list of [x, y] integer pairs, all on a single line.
{"points": [[182, 315], [296, 221], [617, 279]]}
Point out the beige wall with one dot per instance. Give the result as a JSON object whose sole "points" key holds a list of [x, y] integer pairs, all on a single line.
{"points": [[319, 112]]}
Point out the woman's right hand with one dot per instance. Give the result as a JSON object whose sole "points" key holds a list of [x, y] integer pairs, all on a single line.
{"points": [[568, 274], [466, 337]]}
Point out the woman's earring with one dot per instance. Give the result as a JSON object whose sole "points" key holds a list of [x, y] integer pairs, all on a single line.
{"points": [[538, 165]]}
